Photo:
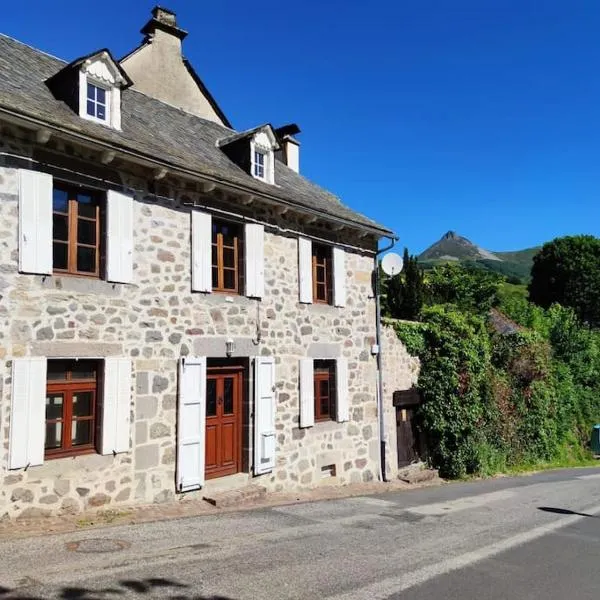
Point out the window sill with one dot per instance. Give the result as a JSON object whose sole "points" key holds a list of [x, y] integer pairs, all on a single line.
{"points": [[69, 453], [81, 284]]}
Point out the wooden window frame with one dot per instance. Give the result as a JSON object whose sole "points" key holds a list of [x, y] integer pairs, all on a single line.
{"points": [[238, 248], [322, 256], [324, 370], [67, 387], [72, 225]]}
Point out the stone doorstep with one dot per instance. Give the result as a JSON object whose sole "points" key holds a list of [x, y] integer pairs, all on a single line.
{"points": [[234, 497]]}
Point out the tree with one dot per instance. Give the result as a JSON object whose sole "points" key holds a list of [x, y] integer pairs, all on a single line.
{"points": [[405, 291], [567, 271]]}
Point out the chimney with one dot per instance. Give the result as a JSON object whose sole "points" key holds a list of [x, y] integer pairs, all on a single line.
{"points": [[290, 146], [162, 28]]}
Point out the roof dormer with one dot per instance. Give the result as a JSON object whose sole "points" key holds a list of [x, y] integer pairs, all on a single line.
{"points": [[253, 151], [92, 87]]}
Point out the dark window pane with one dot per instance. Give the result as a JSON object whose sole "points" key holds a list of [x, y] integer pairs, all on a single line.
{"points": [[91, 108], [91, 91], [325, 406], [211, 397], [229, 236], [86, 232], [321, 291], [101, 95], [215, 277], [324, 388], [320, 274], [54, 406], [84, 369], [86, 206], [53, 435], [81, 433], [228, 395], [60, 201], [229, 280], [83, 404], [229, 258], [86, 259], [100, 111], [214, 256], [57, 370], [60, 227], [59, 258]]}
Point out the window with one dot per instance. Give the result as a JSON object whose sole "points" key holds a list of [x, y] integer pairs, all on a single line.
{"points": [[259, 164], [97, 102], [324, 377], [71, 399], [322, 274], [226, 257], [75, 231]]}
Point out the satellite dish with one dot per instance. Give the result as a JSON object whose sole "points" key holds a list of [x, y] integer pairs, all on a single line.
{"points": [[392, 264]]}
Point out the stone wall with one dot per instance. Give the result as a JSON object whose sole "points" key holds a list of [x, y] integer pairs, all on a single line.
{"points": [[400, 372], [157, 320]]}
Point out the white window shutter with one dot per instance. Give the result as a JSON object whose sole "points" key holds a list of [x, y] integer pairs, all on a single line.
{"points": [[255, 260], [307, 392], [305, 270], [264, 414], [27, 413], [201, 252], [35, 222], [341, 386], [191, 423], [339, 277], [119, 238], [116, 406]]}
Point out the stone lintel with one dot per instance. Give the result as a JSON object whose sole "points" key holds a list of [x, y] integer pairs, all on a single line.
{"points": [[214, 347], [76, 349], [324, 350]]}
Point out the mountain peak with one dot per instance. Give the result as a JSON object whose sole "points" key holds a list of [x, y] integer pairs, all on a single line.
{"points": [[450, 235], [452, 246]]}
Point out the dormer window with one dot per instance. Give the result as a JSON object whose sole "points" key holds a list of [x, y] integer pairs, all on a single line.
{"points": [[96, 102], [259, 164]]}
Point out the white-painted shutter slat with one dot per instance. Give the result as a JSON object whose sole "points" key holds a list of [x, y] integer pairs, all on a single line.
{"points": [[201, 251], [27, 413], [35, 222], [339, 277], [264, 414], [255, 260], [119, 237], [116, 405], [307, 392], [191, 423], [305, 270], [341, 386]]}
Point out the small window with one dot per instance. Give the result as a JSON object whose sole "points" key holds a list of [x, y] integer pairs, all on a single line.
{"points": [[97, 102], [71, 407], [226, 257], [322, 274], [75, 231], [259, 164], [324, 375]]}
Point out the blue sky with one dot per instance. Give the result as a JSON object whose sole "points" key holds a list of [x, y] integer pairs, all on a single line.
{"points": [[481, 116]]}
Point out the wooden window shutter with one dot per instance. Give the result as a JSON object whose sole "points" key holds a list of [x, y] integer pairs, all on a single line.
{"points": [[341, 386], [191, 423], [116, 406], [35, 222], [119, 237], [27, 413], [201, 252], [339, 277], [305, 270], [255, 260], [264, 414], [307, 392]]}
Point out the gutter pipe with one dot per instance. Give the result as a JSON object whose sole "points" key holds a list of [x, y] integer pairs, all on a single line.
{"points": [[380, 406]]}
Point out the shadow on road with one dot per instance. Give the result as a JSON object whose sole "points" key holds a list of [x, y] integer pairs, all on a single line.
{"points": [[165, 587], [565, 511]]}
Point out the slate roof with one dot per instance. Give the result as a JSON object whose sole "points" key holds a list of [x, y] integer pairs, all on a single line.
{"points": [[156, 130]]}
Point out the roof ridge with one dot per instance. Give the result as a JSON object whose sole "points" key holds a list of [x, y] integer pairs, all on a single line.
{"points": [[10, 37]]}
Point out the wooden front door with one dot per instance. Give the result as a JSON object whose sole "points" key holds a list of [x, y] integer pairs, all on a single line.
{"points": [[223, 421], [408, 451]]}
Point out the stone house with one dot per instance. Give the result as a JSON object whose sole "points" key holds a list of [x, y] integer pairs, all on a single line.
{"points": [[180, 309]]}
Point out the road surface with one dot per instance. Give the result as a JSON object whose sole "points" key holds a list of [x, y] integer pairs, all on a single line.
{"points": [[528, 537]]}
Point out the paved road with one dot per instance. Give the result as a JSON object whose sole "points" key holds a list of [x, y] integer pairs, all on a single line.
{"points": [[524, 538]]}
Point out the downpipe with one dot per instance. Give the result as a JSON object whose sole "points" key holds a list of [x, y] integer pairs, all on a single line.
{"points": [[380, 407]]}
